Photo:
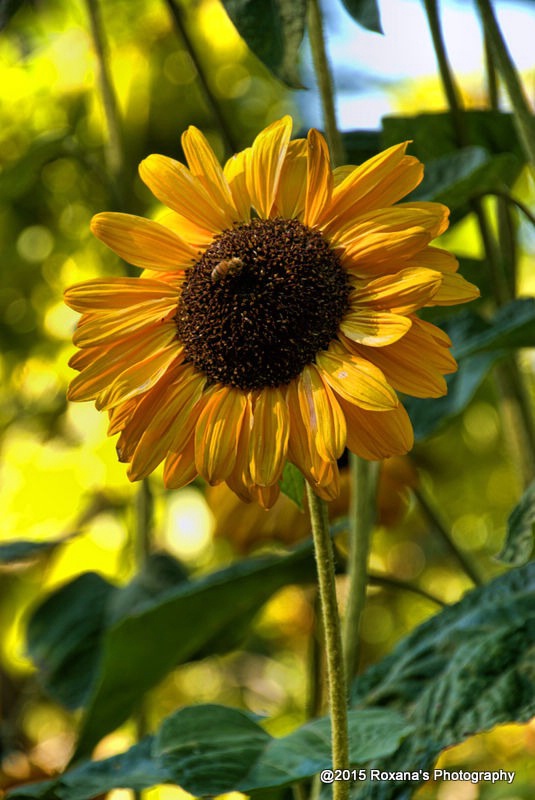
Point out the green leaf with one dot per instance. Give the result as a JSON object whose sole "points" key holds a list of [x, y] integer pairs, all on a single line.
{"points": [[512, 326], [135, 769], [361, 145], [293, 484], [465, 670], [303, 753], [64, 636], [520, 536], [366, 13], [26, 550], [454, 179], [273, 30], [209, 749], [433, 135], [178, 626]]}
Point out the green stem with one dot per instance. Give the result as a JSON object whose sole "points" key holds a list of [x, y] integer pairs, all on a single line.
{"points": [[524, 119], [325, 82], [440, 528], [143, 544], [115, 145], [492, 82], [363, 499], [448, 81], [333, 640], [393, 583], [513, 201], [178, 17]]}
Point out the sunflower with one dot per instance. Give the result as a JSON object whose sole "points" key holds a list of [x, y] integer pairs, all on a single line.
{"points": [[274, 319]]}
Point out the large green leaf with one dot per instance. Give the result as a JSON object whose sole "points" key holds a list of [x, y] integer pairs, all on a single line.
{"points": [[7, 9], [273, 29], [361, 145], [512, 326], [211, 749], [64, 636], [465, 670], [520, 537], [366, 13], [454, 179], [433, 135], [178, 626]]}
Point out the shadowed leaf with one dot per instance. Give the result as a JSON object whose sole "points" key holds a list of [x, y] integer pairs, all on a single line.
{"points": [[520, 535]]}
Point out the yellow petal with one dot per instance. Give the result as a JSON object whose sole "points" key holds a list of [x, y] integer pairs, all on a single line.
{"points": [[402, 293], [217, 434], [180, 467], [356, 379], [138, 378], [415, 364], [112, 293], [94, 329], [373, 435], [435, 211], [454, 289], [435, 258], [170, 425], [235, 172], [174, 185], [269, 436], [291, 193], [377, 183], [319, 177], [104, 365], [205, 166], [143, 242], [374, 328], [321, 414], [301, 443], [265, 164], [265, 496]]}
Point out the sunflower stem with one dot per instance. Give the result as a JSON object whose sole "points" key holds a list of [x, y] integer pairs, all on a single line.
{"points": [[333, 640], [144, 509], [325, 81], [524, 119], [114, 149], [364, 476], [440, 528], [178, 16]]}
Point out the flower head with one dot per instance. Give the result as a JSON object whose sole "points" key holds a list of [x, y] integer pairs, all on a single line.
{"points": [[275, 316]]}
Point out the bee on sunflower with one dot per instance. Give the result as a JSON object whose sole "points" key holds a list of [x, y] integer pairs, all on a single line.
{"points": [[274, 319]]}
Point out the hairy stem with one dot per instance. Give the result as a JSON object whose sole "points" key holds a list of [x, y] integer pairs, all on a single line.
{"points": [[325, 81], [143, 545], [364, 475], [333, 640]]}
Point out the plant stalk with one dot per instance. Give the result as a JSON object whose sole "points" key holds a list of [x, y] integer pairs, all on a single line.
{"points": [[434, 517], [523, 115], [323, 550], [144, 521], [114, 149], [325, 81], [363, 500], [178, 16]]}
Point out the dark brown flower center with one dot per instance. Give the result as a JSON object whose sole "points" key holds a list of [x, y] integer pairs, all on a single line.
{"points": [[261, 302]]}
